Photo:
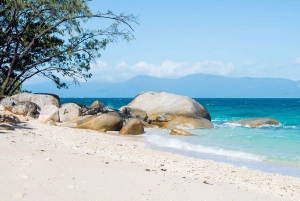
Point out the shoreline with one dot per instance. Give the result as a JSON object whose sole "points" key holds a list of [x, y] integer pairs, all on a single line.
{"points": [[272, 167], [39, 158], [157, 139]]}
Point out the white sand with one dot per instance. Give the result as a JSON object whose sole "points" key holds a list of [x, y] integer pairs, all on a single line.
{"points": [[42, 162]]}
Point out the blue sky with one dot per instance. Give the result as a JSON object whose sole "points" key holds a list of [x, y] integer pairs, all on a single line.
{"points": [[230, 38]]}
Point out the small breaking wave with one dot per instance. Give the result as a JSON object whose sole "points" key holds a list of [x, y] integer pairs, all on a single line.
{"points": [[166, 142], [233, 125]]}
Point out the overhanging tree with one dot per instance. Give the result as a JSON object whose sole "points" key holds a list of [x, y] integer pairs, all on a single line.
{"points": [[46, 38]]}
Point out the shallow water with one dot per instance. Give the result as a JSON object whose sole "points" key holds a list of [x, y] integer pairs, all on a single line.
{"points": [[273, 149]]}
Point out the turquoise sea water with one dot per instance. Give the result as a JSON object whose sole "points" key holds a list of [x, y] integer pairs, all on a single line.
{"points": [[274, 149]]}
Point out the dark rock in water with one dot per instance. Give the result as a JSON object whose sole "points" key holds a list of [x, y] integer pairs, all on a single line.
{"points": [[25, 108], [133, 126], [4, 126], [110, 121], [179, 132], [159, 103], [255, 122], [8, 103]]}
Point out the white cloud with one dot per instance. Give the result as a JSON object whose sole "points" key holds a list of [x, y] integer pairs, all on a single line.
{"points": [[171, 69], [213, 67], [167, 69], [250, 63], [297, 62], [103, 72]]}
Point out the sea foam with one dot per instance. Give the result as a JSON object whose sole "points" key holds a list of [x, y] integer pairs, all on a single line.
{"points": [[156, 138]]}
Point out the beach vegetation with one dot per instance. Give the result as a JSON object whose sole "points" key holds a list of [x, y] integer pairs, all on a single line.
{"points": [[48, 38]]}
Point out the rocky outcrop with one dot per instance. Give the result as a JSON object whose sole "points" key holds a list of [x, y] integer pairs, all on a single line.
{"points": [[110, 121], [254, 122], [133, 126], [134, 113], [69, 111], [48, 113], [8, 103], [182, 122], [24, 108], [97, 104], [96, 108], [159, 103], [73, 122], [39, 99], [179, 132]]}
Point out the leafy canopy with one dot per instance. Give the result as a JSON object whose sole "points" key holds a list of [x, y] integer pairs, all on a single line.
{"points": [[46, 38]]}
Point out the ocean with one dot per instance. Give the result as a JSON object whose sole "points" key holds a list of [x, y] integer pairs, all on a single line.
{"points": [[273, 149]]}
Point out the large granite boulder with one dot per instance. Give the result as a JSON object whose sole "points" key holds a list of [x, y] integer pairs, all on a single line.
{"points": [[69, 111], [97, 104], [158, 103], [49, 113], [8, 103], [39, 99], [254, 122], [73, 122], [110, 121], [133, 126], [128, 112], [184, 122], [179, 132], [25, 108]]}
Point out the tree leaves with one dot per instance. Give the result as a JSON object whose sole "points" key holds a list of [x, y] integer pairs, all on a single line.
{"points": [[45, 38]]}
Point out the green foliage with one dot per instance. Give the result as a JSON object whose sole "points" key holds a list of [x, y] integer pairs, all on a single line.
{"points": [[45, 38]]}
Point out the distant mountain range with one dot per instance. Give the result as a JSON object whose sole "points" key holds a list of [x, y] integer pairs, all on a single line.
{"points": [[196, 86]]}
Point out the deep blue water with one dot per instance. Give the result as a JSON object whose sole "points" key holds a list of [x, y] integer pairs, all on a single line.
{"points": [[271, 148]]}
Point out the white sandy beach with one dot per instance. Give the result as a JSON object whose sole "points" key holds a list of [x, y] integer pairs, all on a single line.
{"points": [[43, 162]]}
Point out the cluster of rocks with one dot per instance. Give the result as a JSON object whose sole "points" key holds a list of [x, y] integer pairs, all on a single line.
{"points": [[146, 110]]}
